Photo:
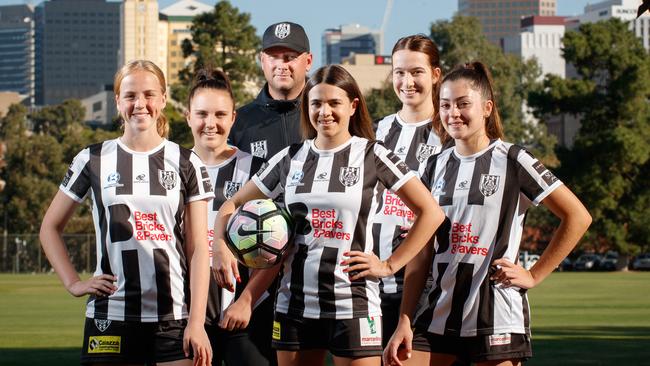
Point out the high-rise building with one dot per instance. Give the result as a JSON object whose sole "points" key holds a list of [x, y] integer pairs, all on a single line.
{"points": [[339, 43], [17, 50], [502, 18], [177, 22], [77, 43], [141, 36]]}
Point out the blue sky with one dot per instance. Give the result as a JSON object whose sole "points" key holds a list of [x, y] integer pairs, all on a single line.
{"points": [[407, 16]]}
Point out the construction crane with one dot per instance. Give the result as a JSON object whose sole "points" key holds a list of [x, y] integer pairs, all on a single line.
{"points": [[384, 22]]}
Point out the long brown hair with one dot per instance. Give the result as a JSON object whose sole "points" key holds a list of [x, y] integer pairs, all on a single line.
{"points": [[162, 125], [423, 44], [360, 122], [480, 79]]}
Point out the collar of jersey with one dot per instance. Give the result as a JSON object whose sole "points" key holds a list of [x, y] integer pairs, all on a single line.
{"points": [[149, 152], [225, 162], [412, 125], [312, 146], [475, 155]]}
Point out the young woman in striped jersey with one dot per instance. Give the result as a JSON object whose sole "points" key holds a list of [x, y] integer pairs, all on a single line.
{"points": [[477, 308], [210, 115], [148, 293], [328, 297], [409, 134]]}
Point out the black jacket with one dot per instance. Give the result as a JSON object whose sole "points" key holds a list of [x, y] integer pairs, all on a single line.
{"points": [[265, 126]]}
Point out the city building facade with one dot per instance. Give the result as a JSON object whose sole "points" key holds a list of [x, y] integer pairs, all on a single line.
{"points": [[339, 43], [17, 51]]}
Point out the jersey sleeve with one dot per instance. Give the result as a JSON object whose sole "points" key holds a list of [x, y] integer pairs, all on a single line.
{"points": [[268, 178], [76, 182], [197, 182], [391, 171], [535, 181]]}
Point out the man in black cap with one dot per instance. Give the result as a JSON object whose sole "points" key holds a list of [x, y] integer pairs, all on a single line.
{"points": [[272, 121]]}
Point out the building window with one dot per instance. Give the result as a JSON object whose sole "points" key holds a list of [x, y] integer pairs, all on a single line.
{"points": [[97, 106]]}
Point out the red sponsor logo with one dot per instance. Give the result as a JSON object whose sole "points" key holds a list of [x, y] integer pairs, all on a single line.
{"points": [[463, 242], [326, 225], [147, 227], [393, 205], [210, 241]]}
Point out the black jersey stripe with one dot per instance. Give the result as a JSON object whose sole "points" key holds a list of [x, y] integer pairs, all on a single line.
{"points": [[297, 299], [95, 163], [462, 287], [526, 309], [156, 164], [119, 227], [426, 317], [132, 287], [213, 307], [256, 165], [376, 239], [81, 185], [481, 167], [205, 178], [186, 168], [124, 168], [527, 183], [391, 138], [485, 318], [163, 283], [341, 160], [226, 173], [421, 134], [309, 171], [326, 294], [399, 275], [451, 175]]}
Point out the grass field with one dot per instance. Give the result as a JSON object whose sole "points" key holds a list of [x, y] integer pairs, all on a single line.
{"points": [[577, 319]]}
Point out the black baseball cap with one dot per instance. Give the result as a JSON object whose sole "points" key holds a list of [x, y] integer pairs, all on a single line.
{"points": [[286, 34]]}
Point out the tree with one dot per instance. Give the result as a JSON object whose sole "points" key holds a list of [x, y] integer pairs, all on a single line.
{"points": [[223, 38], [382, 102], [608, 164]]}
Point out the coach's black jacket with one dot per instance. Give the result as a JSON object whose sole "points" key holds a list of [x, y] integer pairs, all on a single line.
{"points": [[265, 126]]}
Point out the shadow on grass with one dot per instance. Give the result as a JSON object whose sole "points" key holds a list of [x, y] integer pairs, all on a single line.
{"points": [[592, 346], [40, 356]]}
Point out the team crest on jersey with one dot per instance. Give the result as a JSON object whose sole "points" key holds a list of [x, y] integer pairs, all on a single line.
{"points": [[282, 30], [167, 178], [425, 151], [230, 188], [349, 176], [259, 148], [102, 324], [489, 184], [113, 180]]}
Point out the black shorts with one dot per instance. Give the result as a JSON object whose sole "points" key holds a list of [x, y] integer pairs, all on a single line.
{"points": [[111, 341], [482, 348], [351, 338], [247, 347]]}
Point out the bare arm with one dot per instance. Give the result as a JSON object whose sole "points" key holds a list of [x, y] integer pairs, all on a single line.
{"points": [[54, 222], [197, 253], [575, 220], [428, 216]]}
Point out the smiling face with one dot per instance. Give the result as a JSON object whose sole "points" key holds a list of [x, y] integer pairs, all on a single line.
{"points": [[330, 110], [140, 102], [211, 116], [413, 78], [285, 71], [464, 111]]}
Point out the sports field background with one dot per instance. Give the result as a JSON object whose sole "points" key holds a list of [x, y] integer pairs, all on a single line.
{"points": [[577, 319]]}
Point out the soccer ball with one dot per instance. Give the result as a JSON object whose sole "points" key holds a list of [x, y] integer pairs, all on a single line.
{"points": [[258, 233]]}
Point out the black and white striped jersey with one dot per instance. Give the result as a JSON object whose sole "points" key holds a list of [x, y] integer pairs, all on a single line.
{"points": [[333, 197], [413, 143], [485, 197], [139, 199], [227, 178]]}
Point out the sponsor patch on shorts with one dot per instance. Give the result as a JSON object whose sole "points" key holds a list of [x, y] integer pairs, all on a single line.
{"points": [[370, 331], [499, 339], [104, 344], [276, 330]]}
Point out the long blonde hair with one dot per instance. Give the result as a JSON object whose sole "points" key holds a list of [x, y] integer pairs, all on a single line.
{"points": [[162, 125]]}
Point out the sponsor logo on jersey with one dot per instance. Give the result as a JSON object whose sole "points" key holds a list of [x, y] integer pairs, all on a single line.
{"points": [[489, 184], [296, 178], [549, 178], [104, 344], [438, 187], [167, 178], [500, 339], [276, 330], [262, 168], [102, 324], [370, 331], [141, 178], [67, 177], [393, 205], [230, 188], [463, 186], [259, 148], [400, 151], [113, 180], [425, 151], [349, 176], [148, 227], [464, 242], [326, 225], [282, 30], [322, 177]]}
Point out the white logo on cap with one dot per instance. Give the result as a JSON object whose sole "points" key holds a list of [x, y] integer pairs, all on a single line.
{"points": [[282, 30]]}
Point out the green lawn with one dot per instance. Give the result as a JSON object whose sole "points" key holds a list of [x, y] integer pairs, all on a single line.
{"points": [[578, 319]]}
